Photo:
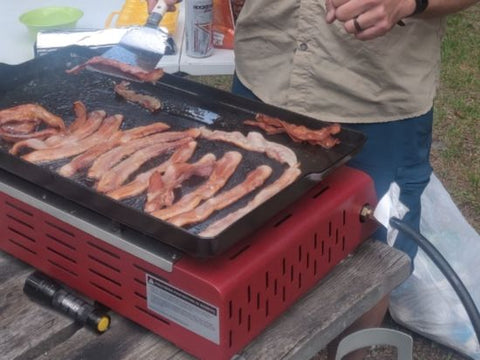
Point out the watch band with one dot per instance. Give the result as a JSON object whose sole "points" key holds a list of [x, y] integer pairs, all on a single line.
{"points": [[420, 6]]}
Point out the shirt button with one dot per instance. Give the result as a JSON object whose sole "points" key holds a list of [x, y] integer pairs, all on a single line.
{"points": [[303, 46]]}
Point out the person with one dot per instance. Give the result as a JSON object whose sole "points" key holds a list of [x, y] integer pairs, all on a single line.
{"points": [[372, 66]]}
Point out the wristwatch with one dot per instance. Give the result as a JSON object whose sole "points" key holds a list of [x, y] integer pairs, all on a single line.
{"points": [[420, 6]]}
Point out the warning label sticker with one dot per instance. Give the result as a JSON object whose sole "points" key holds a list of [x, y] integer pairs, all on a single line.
{"points": [[182, 308]]}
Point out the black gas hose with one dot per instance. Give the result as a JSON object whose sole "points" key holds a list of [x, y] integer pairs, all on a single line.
{"points": [[446, 270]]}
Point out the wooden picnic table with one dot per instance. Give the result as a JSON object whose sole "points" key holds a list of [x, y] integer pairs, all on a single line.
{"points": [[31, 331]]}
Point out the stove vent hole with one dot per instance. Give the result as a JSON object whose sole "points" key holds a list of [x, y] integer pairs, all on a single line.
{"points": [[22, 246], [18, 208], [59, 228], [21, 222], [21, 234]]}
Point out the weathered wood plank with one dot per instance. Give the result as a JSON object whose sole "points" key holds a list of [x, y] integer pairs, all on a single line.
{"points": [[351, 289], [23, 324], [29, 331]]}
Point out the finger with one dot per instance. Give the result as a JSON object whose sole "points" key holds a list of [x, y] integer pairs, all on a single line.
{"points": [[338, 3], [350, 9], [373, 32], [330, 14]]}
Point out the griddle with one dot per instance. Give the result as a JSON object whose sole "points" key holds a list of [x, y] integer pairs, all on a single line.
{"points": [[187, 104]]}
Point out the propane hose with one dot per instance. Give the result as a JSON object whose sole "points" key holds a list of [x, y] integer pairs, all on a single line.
{"points": [[446, 270]]}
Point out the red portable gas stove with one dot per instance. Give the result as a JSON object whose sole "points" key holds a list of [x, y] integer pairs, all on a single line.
{"points": [[210, 308]]}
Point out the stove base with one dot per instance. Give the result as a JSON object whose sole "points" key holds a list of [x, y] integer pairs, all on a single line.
{"points": [[209, 308]]}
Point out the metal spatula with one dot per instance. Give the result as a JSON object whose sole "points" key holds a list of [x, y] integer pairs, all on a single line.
{"points": [[142, 46]]}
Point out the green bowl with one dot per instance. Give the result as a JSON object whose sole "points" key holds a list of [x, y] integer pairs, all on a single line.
{"points": [[50, 18]]}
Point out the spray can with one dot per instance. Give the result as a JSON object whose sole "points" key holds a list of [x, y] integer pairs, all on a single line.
{"points": [[198, 28]]}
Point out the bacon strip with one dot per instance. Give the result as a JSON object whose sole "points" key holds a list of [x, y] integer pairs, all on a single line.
{"points": [[31, 112], [25, 127], [140, 183], [93, 122], [104, 64], [106, 161], [17, 137], [85, 159], [108, 128], [297, 133], [254, 141], [254, 179], [150, 103], [224, 169], [120, 172], [288, 177], [160, 189]]}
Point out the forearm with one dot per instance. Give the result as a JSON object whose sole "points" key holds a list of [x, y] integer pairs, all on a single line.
{"points": [[445, 7]]}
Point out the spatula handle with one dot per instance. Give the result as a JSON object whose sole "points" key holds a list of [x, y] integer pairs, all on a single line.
{"points": [[157, 14]]}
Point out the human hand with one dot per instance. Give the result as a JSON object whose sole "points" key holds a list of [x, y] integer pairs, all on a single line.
{"points": [[170, 4], [368, 19]]}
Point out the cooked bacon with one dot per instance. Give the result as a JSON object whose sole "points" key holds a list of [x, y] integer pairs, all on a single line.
{"points": [[254, 179], [37, 135], [81, 116], [160, 189], [116, 176], [25, 127], [288, 177], [85, 159], [149, 102], [90, 125], [106, 161], [297, 133], [223, 170], [108, 128], [140, 183], [254, 141], [31, 112], [104, 64]]}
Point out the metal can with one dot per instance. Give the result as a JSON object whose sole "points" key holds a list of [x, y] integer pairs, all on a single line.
{"points": [[198, 28]]}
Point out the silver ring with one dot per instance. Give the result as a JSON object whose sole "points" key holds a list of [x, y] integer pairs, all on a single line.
{"points": [[357, 25]]}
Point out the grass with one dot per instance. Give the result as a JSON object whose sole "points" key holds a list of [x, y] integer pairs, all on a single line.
{"points": [[456, 148]]}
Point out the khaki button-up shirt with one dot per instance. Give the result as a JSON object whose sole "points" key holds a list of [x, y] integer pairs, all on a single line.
{"points": [[290, 57]]}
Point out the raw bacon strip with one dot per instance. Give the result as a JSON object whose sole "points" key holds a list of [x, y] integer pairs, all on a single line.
{"points": [[140, 183], [160, 189], [254, 179], [106, 161], [150, 103], [31, 112], [108, 128], [297, 133], [223, 170], [120, 172], [253, 142], [91, 125], [85, 159], [288, 177], [104, 64]]}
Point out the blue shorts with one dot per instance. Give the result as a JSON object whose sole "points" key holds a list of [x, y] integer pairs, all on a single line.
{"points": [[395, 151]]}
